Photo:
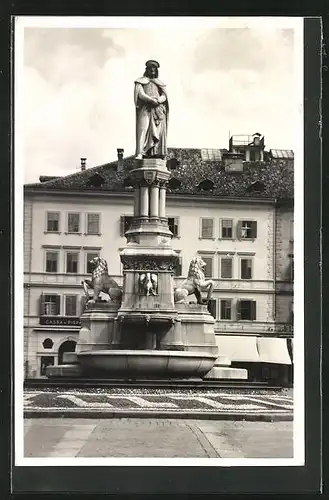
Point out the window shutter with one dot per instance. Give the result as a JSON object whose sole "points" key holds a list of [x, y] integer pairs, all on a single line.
{"points": [[176, 226], [208, 271], [222, 309], [83, 301], [253, 310], [179, 268], [127, 224], [41, 305], [212, 307], [238, 310], [226, 268], [254, 229], [122, 225], [238, 229], [58, 304], [207, 228]]}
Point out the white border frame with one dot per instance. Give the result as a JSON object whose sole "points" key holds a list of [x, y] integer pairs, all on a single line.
{"points": [[158, 22]]}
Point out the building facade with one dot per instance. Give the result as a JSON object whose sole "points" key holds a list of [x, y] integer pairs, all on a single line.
{"points": [[236, 213]]}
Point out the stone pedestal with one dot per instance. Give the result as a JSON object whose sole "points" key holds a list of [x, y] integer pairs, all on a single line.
{"points": [[98, 327], [197, 328]]}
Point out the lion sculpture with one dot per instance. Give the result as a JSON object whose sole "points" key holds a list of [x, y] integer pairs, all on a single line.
{"points": [[194, 283], [101, 282]]}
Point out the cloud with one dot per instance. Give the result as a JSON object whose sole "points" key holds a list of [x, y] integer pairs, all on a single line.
{"points": [[79, 90]]}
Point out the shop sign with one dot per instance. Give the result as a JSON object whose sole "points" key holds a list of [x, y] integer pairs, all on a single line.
{"points": [[59, 321]]}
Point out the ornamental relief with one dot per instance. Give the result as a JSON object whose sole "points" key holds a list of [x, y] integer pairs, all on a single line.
{"points": [[149, 264]]}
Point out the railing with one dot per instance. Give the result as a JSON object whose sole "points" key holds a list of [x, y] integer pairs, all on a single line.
{"points": [[245, 140]]}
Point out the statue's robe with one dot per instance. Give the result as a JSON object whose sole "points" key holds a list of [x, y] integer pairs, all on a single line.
{"points": [[151, 121]]}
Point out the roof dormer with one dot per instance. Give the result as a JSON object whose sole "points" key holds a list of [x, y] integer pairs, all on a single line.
{"points": [[206, 185], [96, 180], [174, 184]]}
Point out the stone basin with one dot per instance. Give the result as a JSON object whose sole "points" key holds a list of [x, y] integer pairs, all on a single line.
{"points": [[146, 363]]}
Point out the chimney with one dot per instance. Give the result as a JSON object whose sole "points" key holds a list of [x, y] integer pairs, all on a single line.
{"points": [[83, 164], [120, 152]]}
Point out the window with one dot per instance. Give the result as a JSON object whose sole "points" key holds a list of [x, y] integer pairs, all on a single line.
{"points": [[226, 309], [246, 310], [292, 268], [44, 362], [227, 228], [246, 269], [291, 236], [172, 164], [178, 269], [49, 305], [212, 307], [247, 229], [92, 223], [207, 228], [47, 343], [254, 155], [96, 180], [211, 155], [226, 267], [72, 259], [73, 223], [90, 256], [51, 262], [256, 187], [71, 305], [206, 185], [125, 221], [53, 222], [173, 223], [174, 184], [291, 313], [208, 272]]}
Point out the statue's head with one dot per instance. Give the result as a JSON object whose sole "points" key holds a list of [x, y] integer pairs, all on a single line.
{"points": [[98, 263], [197, 266], [152, 69]]}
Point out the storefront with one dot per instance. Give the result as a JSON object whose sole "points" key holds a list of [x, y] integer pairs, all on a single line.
{"points": [[48, 343]]}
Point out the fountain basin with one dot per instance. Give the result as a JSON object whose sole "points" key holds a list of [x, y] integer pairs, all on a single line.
{"points": [[146, 363]]}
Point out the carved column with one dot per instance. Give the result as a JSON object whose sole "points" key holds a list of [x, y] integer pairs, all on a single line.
{"points": [[162, 202], [144, 201], [154, 205]]}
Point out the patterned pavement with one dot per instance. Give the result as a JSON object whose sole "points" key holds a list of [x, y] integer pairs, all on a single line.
{"points": [[155, 402]]}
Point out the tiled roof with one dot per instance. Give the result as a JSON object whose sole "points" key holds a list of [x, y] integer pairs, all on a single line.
{"points": [[275, 175]]}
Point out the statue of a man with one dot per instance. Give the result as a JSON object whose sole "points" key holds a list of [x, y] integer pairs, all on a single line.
{"points": [[152, 112]]}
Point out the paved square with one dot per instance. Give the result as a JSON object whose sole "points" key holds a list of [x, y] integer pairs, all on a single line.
{"points": [[122, 437]]}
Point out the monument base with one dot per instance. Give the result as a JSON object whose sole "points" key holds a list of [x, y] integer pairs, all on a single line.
{"points": [[146, 363], [64, 371]]}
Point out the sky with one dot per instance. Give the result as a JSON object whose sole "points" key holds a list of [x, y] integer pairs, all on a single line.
{"points": [[77, 87]]}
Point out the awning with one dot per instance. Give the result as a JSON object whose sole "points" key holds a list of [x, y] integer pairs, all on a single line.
{"points": [[238, 348], [273, 350]]}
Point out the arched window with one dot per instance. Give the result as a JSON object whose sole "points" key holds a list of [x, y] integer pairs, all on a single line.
{"points": [[67, 346], [47, 343], [206, 185]]}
